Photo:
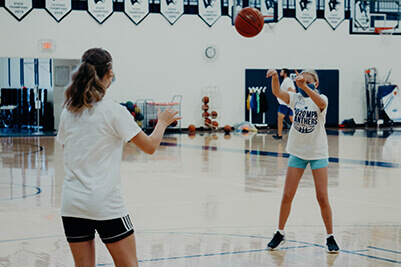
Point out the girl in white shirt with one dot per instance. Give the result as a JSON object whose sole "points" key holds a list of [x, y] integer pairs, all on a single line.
{"points": [[93, 130], [307, 144]]}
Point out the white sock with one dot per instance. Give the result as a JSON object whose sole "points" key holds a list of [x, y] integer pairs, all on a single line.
{"points": [[330, 235], [280, 231]]}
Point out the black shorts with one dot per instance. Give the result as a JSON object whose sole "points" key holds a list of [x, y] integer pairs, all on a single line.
{"points": [[110, 231]]}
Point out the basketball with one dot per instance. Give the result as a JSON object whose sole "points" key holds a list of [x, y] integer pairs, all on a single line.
{"points": [[249, 22], [174, 123], [205, 99], [215, 124], [152, 122], [205, 107], [208, 122], [191, 128], [214, 114], [227, 128], [205, 114]]}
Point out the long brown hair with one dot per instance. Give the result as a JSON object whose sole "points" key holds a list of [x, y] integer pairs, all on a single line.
{"points": [[86, 87]]}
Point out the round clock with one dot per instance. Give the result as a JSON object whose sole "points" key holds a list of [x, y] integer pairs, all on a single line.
{"points": [[210, 52]]}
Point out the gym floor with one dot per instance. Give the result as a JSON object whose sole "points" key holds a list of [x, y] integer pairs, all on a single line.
{"points": [[213, 200]]}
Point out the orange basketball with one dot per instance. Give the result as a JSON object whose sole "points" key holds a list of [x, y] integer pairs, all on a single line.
{"points": [[205, 107], [205, 114], [191, 128], [215, 124], [227, 128], [214, 114], [249, 22], [208, 122], [205, 99]]}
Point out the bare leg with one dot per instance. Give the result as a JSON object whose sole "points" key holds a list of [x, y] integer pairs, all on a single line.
{"points": [[280, 118], [124, 252], [84, 253], [291, 118], [290, 188], [320, 176]]}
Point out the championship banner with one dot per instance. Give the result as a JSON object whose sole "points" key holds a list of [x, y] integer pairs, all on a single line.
{"points": [[267, 9], [58, 9], [362, 14], [236, 8], [334, 12], [136, 10], [172, 10], [305, 12], [100, 10], [18, 8], [209, 11]]}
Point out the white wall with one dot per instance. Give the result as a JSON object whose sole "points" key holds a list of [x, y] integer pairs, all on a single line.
{"points": [[58, 91], [156, 60]]}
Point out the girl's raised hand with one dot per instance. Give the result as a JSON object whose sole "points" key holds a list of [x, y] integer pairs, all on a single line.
{"points": [[300, 80], [168, 116], [271, 72]]}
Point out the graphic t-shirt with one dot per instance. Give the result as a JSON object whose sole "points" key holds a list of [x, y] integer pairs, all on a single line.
{"points": [[307, 139], [285, 85], [93, 147]]}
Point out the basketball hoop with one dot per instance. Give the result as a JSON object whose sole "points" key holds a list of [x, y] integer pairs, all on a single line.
{"points": [[385, 34]]}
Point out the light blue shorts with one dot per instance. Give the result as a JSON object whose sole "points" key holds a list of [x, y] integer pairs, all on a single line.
{"points": [[296, 162]]}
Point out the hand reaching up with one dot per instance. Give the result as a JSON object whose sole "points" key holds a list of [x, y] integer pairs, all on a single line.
{"points": [[300, 80], [271, 72], [168, 116]]}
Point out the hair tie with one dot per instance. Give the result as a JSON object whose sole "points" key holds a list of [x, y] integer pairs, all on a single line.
{"points": [[88, 61]]}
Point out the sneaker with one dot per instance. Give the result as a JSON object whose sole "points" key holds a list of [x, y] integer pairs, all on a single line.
{"points": [[277, 241], [277, 137], [331, 245]]}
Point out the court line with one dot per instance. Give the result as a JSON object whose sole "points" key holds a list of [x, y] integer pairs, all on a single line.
{"points": [[306, 244], [27, 153], [383, 249], [203, 228], [295, 241], [208, 255], [30, 238], [285, 155], [25, 196]]}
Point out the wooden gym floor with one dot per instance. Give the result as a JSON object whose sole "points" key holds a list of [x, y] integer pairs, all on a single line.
{"points": [[213, 200]]}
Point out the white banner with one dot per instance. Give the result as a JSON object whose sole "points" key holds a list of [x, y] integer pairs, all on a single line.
{"points": [[209, 11], [100, 10], [362, 14], [172, 10], [136, 10], [305, 12], [58, 9], [267, 9], [18, 8], [235, 7], [334, 12]]}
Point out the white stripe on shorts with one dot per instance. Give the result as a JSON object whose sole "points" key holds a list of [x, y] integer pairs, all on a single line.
{"points": [[129, 222], [125, 223]]}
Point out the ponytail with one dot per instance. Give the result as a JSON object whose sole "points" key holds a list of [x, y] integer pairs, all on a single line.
{"points": [[86, 87]]}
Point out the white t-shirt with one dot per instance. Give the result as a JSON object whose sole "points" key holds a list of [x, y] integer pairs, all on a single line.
{"points": [[285, 85], [307, 139], [92, 157]]}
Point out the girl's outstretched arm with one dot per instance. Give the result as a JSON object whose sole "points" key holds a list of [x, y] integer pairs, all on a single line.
{"points": [[283, 95], [149, 143]]}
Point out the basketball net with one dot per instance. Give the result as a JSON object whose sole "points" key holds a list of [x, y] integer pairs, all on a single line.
{"points": [[385, 35]]}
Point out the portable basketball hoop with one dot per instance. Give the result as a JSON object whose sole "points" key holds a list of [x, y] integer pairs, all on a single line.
{"points": [[385, 34]]}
